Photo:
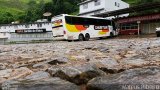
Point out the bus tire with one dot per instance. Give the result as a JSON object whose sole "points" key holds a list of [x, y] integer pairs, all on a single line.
{"points": [[87, 37], [81, 37], [111, 34]]}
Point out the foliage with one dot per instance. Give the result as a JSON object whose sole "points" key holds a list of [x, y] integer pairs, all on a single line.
{"points": [[31, 10]]}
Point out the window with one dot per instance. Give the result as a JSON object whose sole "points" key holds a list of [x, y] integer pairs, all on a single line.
{"points": [[39, 25], [86, 21], [117, 4], [129, 26], [97, 2], [85, 6], [26, 26], [4, 27]]}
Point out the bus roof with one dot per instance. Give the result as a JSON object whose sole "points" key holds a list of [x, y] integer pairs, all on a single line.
{"points": [[79, 16], [86, 17]]}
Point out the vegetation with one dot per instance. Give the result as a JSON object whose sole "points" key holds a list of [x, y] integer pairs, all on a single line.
{"points": [[31, 10]]}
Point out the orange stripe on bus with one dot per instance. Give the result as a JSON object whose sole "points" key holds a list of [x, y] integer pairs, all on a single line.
{"points": [[105, 30], [80, 27]]}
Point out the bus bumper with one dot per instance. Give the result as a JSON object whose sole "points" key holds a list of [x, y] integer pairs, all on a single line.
{"points": [[70, 38], [58, 37]]}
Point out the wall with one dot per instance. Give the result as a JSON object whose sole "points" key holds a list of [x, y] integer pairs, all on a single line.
{"points": [[29, 37], [107, 5], [92, 7], [149, 28], [9, 31], [110, 5]]}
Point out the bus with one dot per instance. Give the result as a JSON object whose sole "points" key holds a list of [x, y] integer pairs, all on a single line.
{"points": [[81, 28]]}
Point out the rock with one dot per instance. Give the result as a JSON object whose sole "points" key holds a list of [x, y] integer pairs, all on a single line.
{"points": [[78, 57], [117, 57], [45, 84], [88, 47], [148, 47], [2, 66], [38, 75], [133, 62], [59, 60], [5, 73], [10, 74], [103, 49], [130, 54], [139, 76], [52, 61], [108, 65], [80, 74]]}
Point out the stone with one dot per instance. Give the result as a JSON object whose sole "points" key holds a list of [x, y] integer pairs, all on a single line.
{"points": [[52, 61], [108, 65], [5, 73], [103, 49], [10, 74], [138, 76], [133, 62], [38, 75], [117, 57], [2, 66], [79, 74], [45, 84], [59, 60]]}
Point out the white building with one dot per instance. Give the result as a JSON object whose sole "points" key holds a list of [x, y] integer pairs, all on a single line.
{"points": [[93, 7], [25, 32]]}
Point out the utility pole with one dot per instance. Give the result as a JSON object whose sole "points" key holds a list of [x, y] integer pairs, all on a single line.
{"points": [[138, 27]]}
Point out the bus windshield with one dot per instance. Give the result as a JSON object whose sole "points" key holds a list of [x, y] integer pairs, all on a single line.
{"points": [[86, 21]]}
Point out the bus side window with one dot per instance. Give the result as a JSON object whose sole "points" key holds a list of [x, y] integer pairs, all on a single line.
{"points": [[68, 20]]}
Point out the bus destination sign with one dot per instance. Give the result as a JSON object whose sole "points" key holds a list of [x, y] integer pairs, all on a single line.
{"points": [[100, 27]]}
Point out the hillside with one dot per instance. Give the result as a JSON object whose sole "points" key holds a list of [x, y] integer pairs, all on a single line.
{"points": [[15, 6], [31, 10]]}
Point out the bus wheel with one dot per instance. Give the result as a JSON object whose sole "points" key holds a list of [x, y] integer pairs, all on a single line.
{"points": [[81, 37], [111, 35], [87, 37]]}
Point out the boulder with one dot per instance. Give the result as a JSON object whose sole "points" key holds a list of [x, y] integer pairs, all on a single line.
{"points": [[52, 61], [59, 60], [131, 53], [140, 76], [38, 75], [79, 74], [134, 62], [108, 65], [45, 84], [101, 49], [10, 74], [3, 66]]}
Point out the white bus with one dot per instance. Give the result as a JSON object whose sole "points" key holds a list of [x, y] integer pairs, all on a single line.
{"points": [[70, 27]]}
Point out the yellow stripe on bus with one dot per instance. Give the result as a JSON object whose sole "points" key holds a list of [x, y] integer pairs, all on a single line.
{"points": [[72, 28], [102, 33]]}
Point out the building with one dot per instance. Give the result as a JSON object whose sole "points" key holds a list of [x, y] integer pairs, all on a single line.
{"points": [[25, 32], [135, 24], [146, 24], [93, 7]]}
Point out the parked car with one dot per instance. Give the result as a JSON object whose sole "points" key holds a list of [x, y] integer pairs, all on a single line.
{"points": [[158, 32]]}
